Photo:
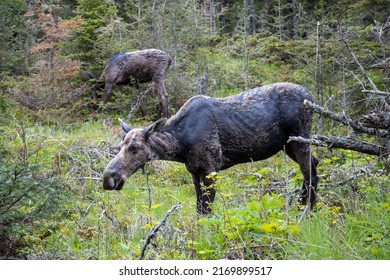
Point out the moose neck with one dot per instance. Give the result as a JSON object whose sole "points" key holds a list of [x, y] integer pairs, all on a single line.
{"points": [[164, 146]]}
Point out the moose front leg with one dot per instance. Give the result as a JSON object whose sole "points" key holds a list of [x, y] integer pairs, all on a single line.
{"points": [[107, 92], [94, 94], [205, 193]]}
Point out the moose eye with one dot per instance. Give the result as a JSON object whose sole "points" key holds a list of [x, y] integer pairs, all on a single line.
{"points": [[133, 149]]}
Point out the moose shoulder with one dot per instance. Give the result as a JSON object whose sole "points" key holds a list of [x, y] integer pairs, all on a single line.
{"points": [[212, 134]]}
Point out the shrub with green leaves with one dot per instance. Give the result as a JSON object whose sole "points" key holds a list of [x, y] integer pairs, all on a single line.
{"points": [[254, 231]]}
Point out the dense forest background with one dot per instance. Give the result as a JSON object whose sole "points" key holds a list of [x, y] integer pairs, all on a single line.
{"points": [[54, 145]]}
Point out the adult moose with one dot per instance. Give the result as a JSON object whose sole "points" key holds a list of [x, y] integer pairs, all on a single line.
{"points": [[209, 135], [142, 66]]}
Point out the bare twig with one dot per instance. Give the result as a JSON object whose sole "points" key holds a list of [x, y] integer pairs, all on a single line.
{"points": [[378, 92], [359, 65], [356, 175], [365, 75], [111, 217], [381, 63], [149, 189], [86, 212], [153, 233], [138, 102]]}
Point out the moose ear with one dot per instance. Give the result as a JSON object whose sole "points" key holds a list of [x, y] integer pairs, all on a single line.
{"points": [[156, 126], [126, 128]]}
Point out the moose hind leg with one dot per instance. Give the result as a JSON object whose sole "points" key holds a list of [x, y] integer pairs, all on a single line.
{"points": [[205, 193], [301, 154]]}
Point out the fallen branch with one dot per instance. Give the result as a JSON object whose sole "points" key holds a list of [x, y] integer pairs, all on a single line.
{"points": [[378, 92], [357, 126], [381, 63], [153, 233], [377, 120], [343, 143]]}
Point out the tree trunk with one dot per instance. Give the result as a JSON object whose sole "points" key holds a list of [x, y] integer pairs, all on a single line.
{"points": [[163, 43], [52, 76], [154, 28], [294, 19], [174, 33], [252, 17], [211, 18], [280, 19], [203, 83], [318, 73], [246, 55]]}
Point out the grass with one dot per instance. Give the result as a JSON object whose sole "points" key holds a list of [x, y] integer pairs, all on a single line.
{"points": [[330, 234]]}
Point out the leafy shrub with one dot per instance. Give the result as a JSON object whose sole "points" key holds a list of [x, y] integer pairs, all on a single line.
{"points": [[254, 231]]}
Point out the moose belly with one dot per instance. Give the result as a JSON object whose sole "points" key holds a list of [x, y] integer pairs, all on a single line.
{"points": [[242, 150]]}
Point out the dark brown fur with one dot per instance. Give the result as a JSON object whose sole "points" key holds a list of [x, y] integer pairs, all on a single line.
{"points": [[142, 66], [212, 134]]}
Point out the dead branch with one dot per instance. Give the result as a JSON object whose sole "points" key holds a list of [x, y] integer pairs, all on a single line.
{"points": [[359, 65], [378, 92], [365, 75], [153, 233], [356, 176], [343, 143], [86, 212], [377, 120], [357, 126], [111, 217], [203, 83], [381, 63]]}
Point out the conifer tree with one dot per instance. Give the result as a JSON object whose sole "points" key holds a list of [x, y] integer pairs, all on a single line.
{"points": [[94, 14], [12, 35]]}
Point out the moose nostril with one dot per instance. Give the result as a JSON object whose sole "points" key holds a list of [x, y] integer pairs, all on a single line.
{"points": [[109, 182], [112, 181]]}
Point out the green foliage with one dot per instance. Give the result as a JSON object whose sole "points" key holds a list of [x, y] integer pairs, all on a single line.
{"points": [[346, 231], [13, 37], [251, 229], [94, 14], [30, 195]]}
